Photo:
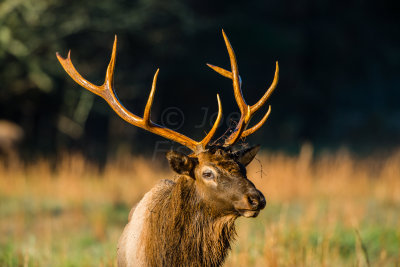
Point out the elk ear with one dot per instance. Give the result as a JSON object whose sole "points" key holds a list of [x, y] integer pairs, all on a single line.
{"points": [[181, 163], [246, 155]]}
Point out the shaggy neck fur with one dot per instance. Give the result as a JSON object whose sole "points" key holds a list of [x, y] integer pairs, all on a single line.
{"points": [[182, 230]]}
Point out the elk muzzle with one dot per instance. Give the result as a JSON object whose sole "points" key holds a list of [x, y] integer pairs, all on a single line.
{"points": [[250, 204]]}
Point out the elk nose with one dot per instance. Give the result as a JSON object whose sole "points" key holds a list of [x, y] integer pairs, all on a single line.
{"points": [[256, 200]]}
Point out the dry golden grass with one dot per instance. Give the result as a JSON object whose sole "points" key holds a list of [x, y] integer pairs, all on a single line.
{"points": [[333, 210]]}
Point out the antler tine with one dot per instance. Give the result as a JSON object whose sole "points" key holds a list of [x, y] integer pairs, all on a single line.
{"points": [[147, 109], [73, 73], [224, 72], [211, 133], [246, 111], [254, 108], [109, 80], [235, 75], [107, 93], [261, 102], [268, 93], [258, 125], [243, 107]]}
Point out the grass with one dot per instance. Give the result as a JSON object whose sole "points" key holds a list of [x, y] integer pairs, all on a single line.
{"points": [[333, 210]]}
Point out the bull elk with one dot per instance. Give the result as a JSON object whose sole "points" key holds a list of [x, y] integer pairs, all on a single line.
{"points": [[189, 221]]}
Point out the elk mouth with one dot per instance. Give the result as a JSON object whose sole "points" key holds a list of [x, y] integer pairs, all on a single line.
{"points": [[248, 213]]}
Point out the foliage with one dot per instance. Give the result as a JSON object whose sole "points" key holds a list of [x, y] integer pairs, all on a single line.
{"points": [[334, 210], [338, 83]]}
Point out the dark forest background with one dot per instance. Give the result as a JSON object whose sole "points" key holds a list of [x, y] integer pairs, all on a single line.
{"points": [[339, 71]]}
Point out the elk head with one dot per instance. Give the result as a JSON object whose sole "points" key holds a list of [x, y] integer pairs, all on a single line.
{"points": [[219, 171], [221, 181]]}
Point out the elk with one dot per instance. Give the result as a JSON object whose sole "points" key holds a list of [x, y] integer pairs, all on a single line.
{"points": [[11, 135], [189, 221]]}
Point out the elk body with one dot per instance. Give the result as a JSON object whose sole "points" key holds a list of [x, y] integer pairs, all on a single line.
{"points": [[189, 221], [11, 134]]}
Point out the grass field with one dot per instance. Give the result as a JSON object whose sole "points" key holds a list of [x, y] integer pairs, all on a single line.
{"points": [[332, 210]]}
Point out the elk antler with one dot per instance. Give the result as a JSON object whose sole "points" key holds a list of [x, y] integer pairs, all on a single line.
{"points": [[246, 111], [106, 91]]}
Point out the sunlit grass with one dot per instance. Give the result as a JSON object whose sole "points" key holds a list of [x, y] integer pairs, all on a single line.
{"points": [[333, 210]]}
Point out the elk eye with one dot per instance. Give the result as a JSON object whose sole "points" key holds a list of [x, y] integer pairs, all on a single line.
{"points": [[208, 174]]}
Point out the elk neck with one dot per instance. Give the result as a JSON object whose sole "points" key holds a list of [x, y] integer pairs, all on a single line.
{"points": [[181, 223]]}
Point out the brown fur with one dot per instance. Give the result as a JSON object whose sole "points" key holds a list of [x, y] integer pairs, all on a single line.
{"points": [[11, 135], [190, 221], [182, 230]]}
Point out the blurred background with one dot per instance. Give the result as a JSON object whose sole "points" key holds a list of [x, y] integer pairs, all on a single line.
{"points": [[71, 169], [339, 71]]}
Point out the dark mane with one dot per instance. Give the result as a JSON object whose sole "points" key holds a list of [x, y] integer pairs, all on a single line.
{"points": [[181, 230]]}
